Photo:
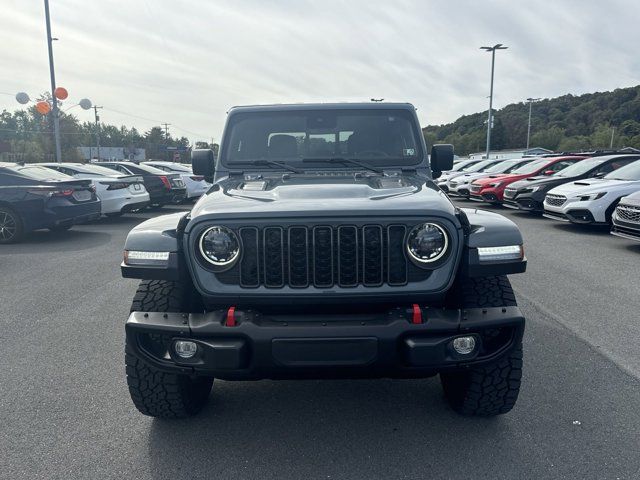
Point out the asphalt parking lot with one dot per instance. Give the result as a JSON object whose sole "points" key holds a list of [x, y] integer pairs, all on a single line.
{"points": [[65, 410]]}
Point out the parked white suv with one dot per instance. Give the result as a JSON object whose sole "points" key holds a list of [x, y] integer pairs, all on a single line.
{"points": [[118, 193], [196, 184], [592, 200]]}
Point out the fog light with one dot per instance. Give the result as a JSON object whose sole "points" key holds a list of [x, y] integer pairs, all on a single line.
{"points": [[185, 348], [464, 345]]}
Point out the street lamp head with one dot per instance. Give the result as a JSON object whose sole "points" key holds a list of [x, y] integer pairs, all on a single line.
{"points": [[497, 46], [531, 100]]}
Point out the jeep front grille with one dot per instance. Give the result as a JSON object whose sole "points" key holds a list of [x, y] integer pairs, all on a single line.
{"points": [[322, 256], [555, 200], [628, 213]]}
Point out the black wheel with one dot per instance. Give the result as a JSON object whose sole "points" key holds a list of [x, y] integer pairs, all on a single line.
{"points": [[11, 228], [490, 389], [60, 228], [154, 392]]}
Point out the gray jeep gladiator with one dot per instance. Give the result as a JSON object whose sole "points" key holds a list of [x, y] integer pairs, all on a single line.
{"points": [[324, 249]]}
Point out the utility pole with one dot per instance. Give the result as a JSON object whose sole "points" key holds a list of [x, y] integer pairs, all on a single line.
{"points": [[493, 49], [613, 131], [55, 111], [95, 111], [166, 139], [530, 100]]}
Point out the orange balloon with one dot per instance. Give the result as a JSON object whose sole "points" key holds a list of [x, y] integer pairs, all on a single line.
{"points": [[61, 93], [43, 107]]}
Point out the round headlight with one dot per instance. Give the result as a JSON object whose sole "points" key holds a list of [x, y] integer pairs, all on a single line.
{"points": [[427, 242], [219, 246]]}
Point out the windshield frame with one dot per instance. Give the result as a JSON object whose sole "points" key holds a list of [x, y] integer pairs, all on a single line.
{"points": [[415, 161]]}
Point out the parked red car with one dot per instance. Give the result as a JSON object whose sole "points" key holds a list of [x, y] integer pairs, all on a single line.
{"points": [[491, 189]]}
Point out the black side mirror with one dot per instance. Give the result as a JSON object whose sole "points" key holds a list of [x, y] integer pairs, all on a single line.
{"points": [[441, 159], [203, 163]]}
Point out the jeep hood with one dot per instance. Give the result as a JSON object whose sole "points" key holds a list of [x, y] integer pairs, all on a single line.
{"points": [[323, 195]]}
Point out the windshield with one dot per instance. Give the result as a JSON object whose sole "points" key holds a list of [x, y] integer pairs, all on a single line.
{"points": [[531, 167], [580, 167], [463, 166], [481, 166], [506, 166], [628, 172], [40, 173], [96, 170], [378, 137]]}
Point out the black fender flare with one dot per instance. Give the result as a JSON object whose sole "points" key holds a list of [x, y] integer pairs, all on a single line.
{"points": [[159, 234], [489, 229]]}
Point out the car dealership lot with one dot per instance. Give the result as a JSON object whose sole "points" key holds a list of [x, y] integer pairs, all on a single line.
{"points": [[65, 410]]}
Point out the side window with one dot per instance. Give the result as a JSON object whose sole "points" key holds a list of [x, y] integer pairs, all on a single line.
{"points": [[124, 170], [603, 169], [616, 164], [556, 167]]}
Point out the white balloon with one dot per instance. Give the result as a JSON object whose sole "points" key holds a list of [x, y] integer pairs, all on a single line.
{"points": [[85, 104], [22, 97]]}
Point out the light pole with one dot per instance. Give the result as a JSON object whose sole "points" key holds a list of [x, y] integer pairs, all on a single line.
{"points": [[95, 111], [54, 100], [530, 100], [493, 49]]}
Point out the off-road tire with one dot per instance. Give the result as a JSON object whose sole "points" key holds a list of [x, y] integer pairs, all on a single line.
{"points": [[490, 389], [154, 392], [12, 221]]}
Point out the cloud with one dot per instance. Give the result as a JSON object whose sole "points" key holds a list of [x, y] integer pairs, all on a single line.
{"points": [[186, 62]]}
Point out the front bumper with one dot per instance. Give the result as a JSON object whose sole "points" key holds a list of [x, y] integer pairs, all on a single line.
{"points": [[624, 229], [385, 344]]}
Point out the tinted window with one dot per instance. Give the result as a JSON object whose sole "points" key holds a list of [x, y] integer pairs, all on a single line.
{"points": [[531, 167], [628, 172], [380, 137], [481, 166], [581, 167]]}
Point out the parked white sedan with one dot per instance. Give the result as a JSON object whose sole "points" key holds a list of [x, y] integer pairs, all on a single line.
{"points": [[196, 184], [118, 193], [592, 200]]}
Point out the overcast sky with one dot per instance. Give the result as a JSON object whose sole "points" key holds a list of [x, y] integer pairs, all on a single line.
{"points": [[186, 62]]}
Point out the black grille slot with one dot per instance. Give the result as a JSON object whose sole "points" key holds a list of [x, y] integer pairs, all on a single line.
{"points": [[372, 260], [298, 257], [249, 271], [323, 256], [397, 261], [273, 257], [345, 256]]}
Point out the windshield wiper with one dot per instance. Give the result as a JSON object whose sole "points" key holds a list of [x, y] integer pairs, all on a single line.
{"points": [[344, 160], [265, 161]]}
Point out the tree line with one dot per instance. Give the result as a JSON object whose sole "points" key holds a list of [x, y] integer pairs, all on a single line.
{"points": [[26, 135], [566, 123]]}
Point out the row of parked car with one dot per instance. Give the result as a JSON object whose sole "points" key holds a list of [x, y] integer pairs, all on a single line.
{"points": [[586, 188], [56, 196]]}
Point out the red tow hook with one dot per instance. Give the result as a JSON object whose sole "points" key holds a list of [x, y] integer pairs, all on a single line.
{"points": [[231, 317], [417, 314]]}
